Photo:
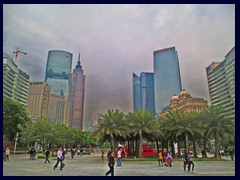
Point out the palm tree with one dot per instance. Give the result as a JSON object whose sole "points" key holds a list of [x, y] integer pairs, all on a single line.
{"points": [[178, 123], [140, 122], [109, 126], [218, 125]]}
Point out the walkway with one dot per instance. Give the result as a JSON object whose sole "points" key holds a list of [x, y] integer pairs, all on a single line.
{"points": [[90, 165]]}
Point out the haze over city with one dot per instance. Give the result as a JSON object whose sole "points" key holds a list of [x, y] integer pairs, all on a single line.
{"points": [[118, 40]]}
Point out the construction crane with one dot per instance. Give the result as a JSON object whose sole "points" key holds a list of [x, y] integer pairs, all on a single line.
{"points": [[16, 54]]}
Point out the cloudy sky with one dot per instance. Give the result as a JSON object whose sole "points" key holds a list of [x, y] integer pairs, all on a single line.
{"points": [[118, 40]]}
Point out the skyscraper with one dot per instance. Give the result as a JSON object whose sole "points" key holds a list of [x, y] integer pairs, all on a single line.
{"points": [[143, 92], [58, 72], [147, 91], [136, 92], [221, 83], [15, 81], [77, 89], [38, 99], [167, 79]]}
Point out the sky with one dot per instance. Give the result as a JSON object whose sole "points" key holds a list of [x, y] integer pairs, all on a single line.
{"points": [[118, 40]]}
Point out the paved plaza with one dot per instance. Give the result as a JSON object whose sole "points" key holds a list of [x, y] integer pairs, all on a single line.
{"points": [[92, 165]]}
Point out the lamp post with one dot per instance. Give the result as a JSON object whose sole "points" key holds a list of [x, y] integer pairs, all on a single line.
{"points": [[15, 146], [16, 54]]}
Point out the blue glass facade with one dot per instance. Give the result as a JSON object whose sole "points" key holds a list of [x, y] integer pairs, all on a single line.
{"points": [[58, 72], [147, 91], [136, 92], [167, 79]]}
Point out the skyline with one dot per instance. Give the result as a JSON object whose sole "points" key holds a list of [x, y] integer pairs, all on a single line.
{"points": [[118, 40]]}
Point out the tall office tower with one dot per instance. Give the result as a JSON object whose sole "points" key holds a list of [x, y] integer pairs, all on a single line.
{"points": [[38, 99], [58, 75], [167, 79], [58, 72], [136, 92], [221, 83], [56, 108], [143, 92], [147, 91], [15, 81], [76, 97]]}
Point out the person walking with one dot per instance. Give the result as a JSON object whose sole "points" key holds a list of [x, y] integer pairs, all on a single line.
{"points": [[231, 154], [47, 153], [7, 153], [160, 158], [111, 164], [78, 151], [4, 151], [185, 160], [169, 159], [102, 154], [72, 152], [59, 158], [190, 161], [119, 156]]}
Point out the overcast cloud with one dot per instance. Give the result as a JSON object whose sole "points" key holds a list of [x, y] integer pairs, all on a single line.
{"points": [[118, 40]]}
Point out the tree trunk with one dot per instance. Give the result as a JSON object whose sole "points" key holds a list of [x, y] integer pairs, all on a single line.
{"points": [[186, 139], [216, 145], [173, 149], [112, 144], [140, 145], [194, 148], [157, 145], [205, 146]]}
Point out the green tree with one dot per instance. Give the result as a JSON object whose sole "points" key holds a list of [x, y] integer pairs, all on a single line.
{"points": [[40, 131], [109, 126], [140, 122], [218, 125], [14, 114]]}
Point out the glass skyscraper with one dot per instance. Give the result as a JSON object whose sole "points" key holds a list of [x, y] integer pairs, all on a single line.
{"points": [[147, 91], [143, 92], [167, 79], [221, 83], [58, 72], [136, 92]]}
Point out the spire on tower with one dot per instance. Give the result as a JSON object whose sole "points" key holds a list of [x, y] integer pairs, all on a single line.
{"points": [[78, 63]]}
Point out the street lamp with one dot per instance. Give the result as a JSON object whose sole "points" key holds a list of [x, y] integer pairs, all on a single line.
{"points": [[15, 146], [16, 52]]}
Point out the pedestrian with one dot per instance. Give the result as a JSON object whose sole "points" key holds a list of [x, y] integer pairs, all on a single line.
{"points": [[119, 156], [111, 164], [34, 154], [59, 158], [190, 161], [72, 152], [7, 153], [78, 151], [4, 154], [185, 160], [102, 154], [231, 154], [160, 158], [64, 152], [169, 159], [47, 153]]}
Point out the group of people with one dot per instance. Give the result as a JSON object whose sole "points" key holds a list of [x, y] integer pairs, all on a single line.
{"points": [[32, 154], [165, 159], [187, 161]]}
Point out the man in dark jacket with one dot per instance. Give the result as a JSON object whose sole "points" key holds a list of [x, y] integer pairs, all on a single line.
{"points": [[47, 153], [111, 164]]}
